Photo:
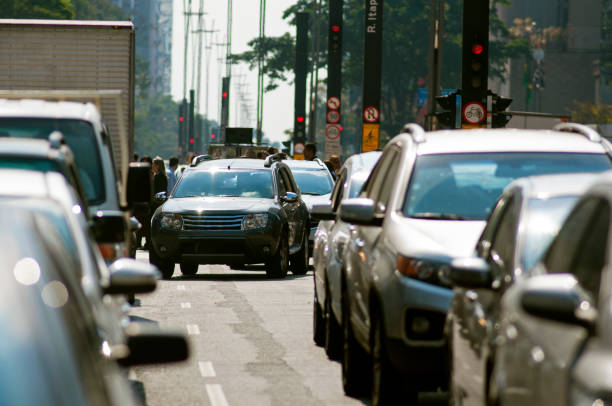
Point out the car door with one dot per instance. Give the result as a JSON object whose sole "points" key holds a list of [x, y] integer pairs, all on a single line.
{"points": [[537, 353], [476, 310], [337, 238], [364, 239], [291, 209]]}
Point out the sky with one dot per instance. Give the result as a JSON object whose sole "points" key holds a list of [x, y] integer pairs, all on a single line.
{"points": [[278, 105]]}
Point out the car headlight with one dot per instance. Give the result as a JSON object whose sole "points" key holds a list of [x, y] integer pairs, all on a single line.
{"points": [[580, 397], [253, 221], [171, 221], [427, 271]]}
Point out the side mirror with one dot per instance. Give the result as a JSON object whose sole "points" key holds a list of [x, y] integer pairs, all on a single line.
{"points": [[135, 224], [161, 197], [558, 297], [321, 212], [359, 211], [147, 344], [108, 226], [470, 273], [128, 276], [139, 188], [290, 197]]}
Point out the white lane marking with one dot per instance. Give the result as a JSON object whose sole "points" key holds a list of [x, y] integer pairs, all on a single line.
{"points": [[216, 395], [180, 287], [206, 369], [193, 329], [186, 305]]}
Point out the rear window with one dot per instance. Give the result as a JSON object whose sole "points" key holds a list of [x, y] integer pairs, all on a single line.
{"points": [[79, 136], [313, 181], [225, 183], [466, 186]]}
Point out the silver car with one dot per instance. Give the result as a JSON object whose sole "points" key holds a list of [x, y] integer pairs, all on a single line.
{"points": [[429, 196], [329, 242]]}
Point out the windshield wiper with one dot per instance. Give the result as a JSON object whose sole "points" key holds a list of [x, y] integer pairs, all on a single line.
{"points": [[438, 216], [312, 194]]}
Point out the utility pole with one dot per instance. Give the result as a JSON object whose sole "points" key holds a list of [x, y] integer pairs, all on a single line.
{"points": [[301, 61], [436, 28], [314, 74], [228, 74], [334, 79], [260, 68], [372, 69]]}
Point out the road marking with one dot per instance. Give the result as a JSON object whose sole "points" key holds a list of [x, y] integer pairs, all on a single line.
{"points": [[206, 369], [180, 287], [186, 305], [215, 395], [193, 329]]}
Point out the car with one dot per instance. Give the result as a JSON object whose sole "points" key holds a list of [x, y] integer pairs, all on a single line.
{"points": [[51, 349], [526, 218], [84, 132], [315, 183], [554, 326], [329, 243], [429, 195], [234, 212]]}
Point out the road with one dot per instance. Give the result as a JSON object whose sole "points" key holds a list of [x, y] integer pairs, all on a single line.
{"points": [[251, 342]]}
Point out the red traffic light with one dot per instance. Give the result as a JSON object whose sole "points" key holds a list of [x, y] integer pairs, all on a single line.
{"points": [[224, 95], [335, 28], [212, 136], [300, 119], [477, 49], [181, 119], [340, 127], [191, 140]]}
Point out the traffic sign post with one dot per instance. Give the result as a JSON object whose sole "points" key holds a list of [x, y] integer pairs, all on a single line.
{"points": [[299, 148], [473, 114], [333, 117], [371, 114], [332, 132], [333, 103]]}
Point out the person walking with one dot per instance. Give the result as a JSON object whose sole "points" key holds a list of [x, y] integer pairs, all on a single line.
{"points": [[172, 165], [160, 179], [310, 151]]}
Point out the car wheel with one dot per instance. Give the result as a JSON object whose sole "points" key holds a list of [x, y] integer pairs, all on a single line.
{"points": [[356, 379], [165, 266], [318, 326], [386, 381], [276, 267], [189, 268], [299, 260], [333, 332]]}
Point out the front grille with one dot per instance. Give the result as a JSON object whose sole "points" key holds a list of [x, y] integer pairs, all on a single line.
{"points": [[212, 222], [212, 246]]}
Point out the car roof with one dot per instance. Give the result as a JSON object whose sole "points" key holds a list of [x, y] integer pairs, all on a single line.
{"points": [[236, 163], [48, 109], [363, 161], [557, 185], [504, 140], [31, 183], [301, 164], [25, 147]]}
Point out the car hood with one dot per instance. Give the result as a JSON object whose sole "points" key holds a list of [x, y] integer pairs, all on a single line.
{"points": [[216, 204], [311, 200], [456, 238]]}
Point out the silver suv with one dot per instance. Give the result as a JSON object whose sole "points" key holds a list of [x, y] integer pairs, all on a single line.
{"points": [[426, 200]]}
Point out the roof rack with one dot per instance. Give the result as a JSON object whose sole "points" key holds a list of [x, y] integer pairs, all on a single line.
{"points": [[415, 131], [270, 159], [320, 162], [581, 129], [56, 140], [196, 160]]}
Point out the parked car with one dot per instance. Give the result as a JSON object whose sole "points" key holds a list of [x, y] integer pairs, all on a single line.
{"points": [[428, 195], [51, 350], [315, 183], [329, 243], [235, 212], [526, 218]]}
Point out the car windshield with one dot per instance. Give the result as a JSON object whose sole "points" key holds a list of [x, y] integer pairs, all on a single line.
{"points": [[222, 182], [39, 165], [543, 221], [313, 181], [79, 136], [466, 186]]}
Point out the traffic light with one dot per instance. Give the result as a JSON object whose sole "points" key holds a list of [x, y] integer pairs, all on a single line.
{"points": [[499, 105], [182, 125], [448, 103], [225, 89], [300, 69], [287, 147], [475, 62]]}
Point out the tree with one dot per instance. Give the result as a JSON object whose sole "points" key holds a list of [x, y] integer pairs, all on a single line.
{"points": [[97, 10], [43, 9], [590, 113]]}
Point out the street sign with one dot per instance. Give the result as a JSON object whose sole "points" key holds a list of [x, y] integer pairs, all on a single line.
{"points": [[332, 132], [333, 116], [298, 148], [332, 148], [371, 114], [474, 113], [333, 103], [369, 137]]}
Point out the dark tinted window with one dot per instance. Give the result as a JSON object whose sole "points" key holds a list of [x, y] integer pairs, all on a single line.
{"points": [[39, 165], [313, 181], [79, 136], [503, 243], [222, 182], [467, 185]]}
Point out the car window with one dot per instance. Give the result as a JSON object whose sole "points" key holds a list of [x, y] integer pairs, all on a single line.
{"points": [[483, 246], [229, 183], [466, 185], [375, 182], [289, 186], [313, 181], [282, 186], [384, 195], [338, 191], [503, 243], [292, 184]]}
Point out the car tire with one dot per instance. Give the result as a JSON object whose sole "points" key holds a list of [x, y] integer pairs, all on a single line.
{"points": [[165, 266], [299, 260], [318, 323], [277, 266], [387, 385], [189, 268], [356, 368], [333, 332]]}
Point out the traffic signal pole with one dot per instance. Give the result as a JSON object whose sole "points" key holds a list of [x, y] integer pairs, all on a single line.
{"points": [[334, 79], [372, 74], [436, 26], [301, 62]]}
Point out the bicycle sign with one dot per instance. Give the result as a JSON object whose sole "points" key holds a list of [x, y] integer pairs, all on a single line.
{"points": [[474, 113]]}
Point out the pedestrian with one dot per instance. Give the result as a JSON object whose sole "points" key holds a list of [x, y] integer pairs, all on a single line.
{"points": [[336, 164], [135, 157], [172, 165], [160, 179], [272, 151], [330, 168], [145, 216], [310, 151]]}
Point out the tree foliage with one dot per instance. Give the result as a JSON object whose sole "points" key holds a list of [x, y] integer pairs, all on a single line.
{"points": [[590, 113], [40, 9]]}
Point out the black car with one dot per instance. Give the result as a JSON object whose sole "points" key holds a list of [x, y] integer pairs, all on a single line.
{"points": [[234, 212]]}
